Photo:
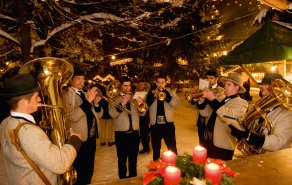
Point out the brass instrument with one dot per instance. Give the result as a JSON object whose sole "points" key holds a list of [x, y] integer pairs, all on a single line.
{"points": [[142, 107], [160, 95], [281, 95], [51, 73], [112, 91], [195, 96]]}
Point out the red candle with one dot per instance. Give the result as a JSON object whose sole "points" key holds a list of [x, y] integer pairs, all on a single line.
{"points": [[169, 157], [172, 175], [213, 173], [199, 155]]}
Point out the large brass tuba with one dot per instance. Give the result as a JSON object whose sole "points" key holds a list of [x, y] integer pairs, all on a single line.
{"points": [[51, 73], [281, 95]]}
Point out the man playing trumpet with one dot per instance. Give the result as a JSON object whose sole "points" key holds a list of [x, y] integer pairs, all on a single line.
{"points": [[126, 124], [205, 112], [161, 111], [218, 140], [82, 117]]}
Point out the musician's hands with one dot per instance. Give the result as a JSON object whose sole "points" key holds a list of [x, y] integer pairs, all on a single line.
{"points": [[207, 93], [168, 96], [126, 98], [155, 92], [201, 99], [91, 94], [140, 100], [194, 91]]}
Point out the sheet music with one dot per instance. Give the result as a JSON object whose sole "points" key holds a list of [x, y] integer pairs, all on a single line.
{"points": [[203, 83], [141, 94]]}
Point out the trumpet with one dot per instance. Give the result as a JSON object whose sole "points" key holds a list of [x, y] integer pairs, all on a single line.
{"points": [[160, 95], [195, 96]]}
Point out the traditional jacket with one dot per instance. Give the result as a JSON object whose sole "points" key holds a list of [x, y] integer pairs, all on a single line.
{"points": [[121, 119], [48, 157], [168, 109], [207, 111], [75, 116], [222, 137], [281, 135]]}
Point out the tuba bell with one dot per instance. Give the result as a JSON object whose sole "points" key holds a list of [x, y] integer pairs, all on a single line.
{"points": [[281, 95], [51, 73]]}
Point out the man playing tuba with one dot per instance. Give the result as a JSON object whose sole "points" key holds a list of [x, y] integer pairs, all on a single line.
{"points": [[29, 155], [280, 135]]}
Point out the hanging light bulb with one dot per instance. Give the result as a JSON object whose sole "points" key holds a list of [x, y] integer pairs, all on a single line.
{"points": [[113, 57]]}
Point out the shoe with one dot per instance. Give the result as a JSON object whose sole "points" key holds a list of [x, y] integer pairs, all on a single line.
{"points": [[111, 143], [143, 151], [102, 144]]}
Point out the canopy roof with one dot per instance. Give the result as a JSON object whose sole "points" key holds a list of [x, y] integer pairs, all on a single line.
{"points": [[272, 42]]}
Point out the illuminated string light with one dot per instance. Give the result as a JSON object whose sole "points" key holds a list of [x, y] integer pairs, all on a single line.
{"points": [[183, 36], [121, 62]]}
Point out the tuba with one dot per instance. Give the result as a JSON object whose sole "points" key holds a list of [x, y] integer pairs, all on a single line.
{"points": [[281, 95], [51, 73]]}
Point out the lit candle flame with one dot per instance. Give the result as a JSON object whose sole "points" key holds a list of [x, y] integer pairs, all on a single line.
{"points": [[212, 166], [168, 153], [199, 148], [171, 169]]}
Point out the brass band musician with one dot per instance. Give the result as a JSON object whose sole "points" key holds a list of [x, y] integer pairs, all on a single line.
{"points": [[280, 117], [205, 112], [126, 126], [161, 111], [219, 142], [22, 94], [81, 116]]}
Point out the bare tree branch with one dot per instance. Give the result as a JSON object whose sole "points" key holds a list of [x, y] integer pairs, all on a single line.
{"points": [[6, 35]]}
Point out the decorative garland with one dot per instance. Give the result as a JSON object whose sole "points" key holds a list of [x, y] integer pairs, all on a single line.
{"points": [[191, 173]]}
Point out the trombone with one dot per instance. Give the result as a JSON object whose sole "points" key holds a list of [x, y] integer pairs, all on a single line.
{"points": [[142, 107], [112, 91]]}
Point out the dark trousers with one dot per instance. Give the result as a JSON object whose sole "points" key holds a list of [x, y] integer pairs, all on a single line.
{"points": [[165, 131], [201, 129], [84, 162], [127, 145], [144, 132], [215, 152]]}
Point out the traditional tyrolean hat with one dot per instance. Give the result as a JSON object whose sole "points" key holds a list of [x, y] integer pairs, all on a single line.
{"points": [[19, 85], [236, 79]]}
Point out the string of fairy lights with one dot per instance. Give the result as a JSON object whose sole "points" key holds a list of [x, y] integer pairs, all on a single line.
{"points": [[120, 62], [127, 60]]}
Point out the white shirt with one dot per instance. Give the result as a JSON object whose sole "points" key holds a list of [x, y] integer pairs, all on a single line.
{"points": [[76, 90], [23, 115]]}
